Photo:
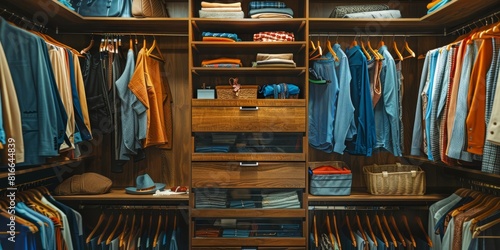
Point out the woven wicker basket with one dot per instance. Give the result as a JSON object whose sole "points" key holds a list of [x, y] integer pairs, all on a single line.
{"points": [[394, 179], [246, 92]]}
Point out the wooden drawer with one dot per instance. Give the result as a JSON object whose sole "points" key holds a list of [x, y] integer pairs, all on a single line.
{"points": [[249, 119], [240, 248], [253, 175]]}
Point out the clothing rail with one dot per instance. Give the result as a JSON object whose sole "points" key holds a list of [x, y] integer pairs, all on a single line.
{"points": [[135, 207], [481, 186], [123, 34], [366, 208], [22, 21], [485, 19], [372, 35]]}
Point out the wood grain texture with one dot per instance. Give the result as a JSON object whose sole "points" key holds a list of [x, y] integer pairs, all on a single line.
{"points": [[288, 241], [231, 175], [233, 119], [249, 213]]}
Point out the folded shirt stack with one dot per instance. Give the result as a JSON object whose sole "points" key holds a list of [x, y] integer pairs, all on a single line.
{"points": [[269, 9], [274, 36], [371, 11], [219, 37], [214, 198], [435, 5], [235, 233], [284, 60], [282, 199], [241, 204], [221, 10], [222, 62]]}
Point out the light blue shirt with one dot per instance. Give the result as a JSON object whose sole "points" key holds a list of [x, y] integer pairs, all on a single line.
{"points": [[32, 218], [428, 95], [387, 124], [417, 137], [458, 138], [322, 106], [345, 127]]}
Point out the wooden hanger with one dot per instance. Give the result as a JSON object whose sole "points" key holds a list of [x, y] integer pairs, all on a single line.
{"points": [[330, 49], [317, 53], [315, 230], [381, 42], [395, 47], [367, 55], [360, 228], [374, 52], [86, 49], [409, 50], [396, 228], [389, 231], [478, 230], [423, 230], [103, 233], [100, 221], [351, 233], [127, 232], [158, 57], [489, 209], [112, 235], [370, 230], [336, 230], [408, 230], [158, 229], [354, 42], [381, 230], [32, 227], [478, 198], [329, 229]]}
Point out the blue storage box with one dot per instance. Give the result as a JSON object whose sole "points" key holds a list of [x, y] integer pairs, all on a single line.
{"points": [[329, 178]]}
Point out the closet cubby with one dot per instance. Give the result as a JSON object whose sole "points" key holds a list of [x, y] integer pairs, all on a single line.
{"points": [[258, 172]]}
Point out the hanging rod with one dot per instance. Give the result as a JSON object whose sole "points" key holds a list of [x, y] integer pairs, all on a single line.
{"points": [[123, 34], [371, 35], [367, 208], [480, 21], [136, 207], [23, 20]]}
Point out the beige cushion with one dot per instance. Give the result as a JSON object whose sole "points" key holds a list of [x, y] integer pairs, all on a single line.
{"points": [[87, 183]]}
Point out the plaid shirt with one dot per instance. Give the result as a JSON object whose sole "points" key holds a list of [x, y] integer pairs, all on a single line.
{"points": [[266, 4], [274, 36]]}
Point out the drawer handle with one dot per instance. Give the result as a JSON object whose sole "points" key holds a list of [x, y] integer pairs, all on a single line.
{"points": [[248, 108], [249, 164]]}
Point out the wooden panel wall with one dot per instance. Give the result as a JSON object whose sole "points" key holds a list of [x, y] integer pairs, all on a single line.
{"points": [[170, 166]]}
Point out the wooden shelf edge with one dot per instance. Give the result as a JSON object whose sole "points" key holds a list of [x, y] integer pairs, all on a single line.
{"points": [[248, 213], [363, 197], [120, 195], [45, 166]]}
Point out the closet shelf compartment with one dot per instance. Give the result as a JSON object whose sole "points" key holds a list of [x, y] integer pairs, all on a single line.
{"points": [[248, 24], [253, 241], [248, 47], [249, 71], [248, 213], [248, 102], [372, 26], [248, 157], [357, 196]]}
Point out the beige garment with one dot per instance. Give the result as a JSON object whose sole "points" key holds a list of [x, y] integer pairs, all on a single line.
{"points": [[222, 9], [59, 67], [11, 113], [81, 92], [493, 130], [264, 56], [220, 5]]}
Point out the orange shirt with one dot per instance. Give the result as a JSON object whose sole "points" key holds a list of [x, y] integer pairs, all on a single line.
{"points": [[476, 99]]}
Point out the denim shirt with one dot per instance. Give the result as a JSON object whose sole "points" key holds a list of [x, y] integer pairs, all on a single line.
{"points": [[345, 128], [363, 142], [387, 124], [458, 138], [433, 141], [322, 106], [416, 141]]}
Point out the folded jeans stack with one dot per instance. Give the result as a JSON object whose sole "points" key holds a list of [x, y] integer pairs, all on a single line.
{"points": [[213, 198], [241, 204], [221, 10], [269, 9], [284, 60], [282, 199]]}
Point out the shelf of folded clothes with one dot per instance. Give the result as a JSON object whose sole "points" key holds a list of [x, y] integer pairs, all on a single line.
{"points": [[204, 47], [296, 25]]}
